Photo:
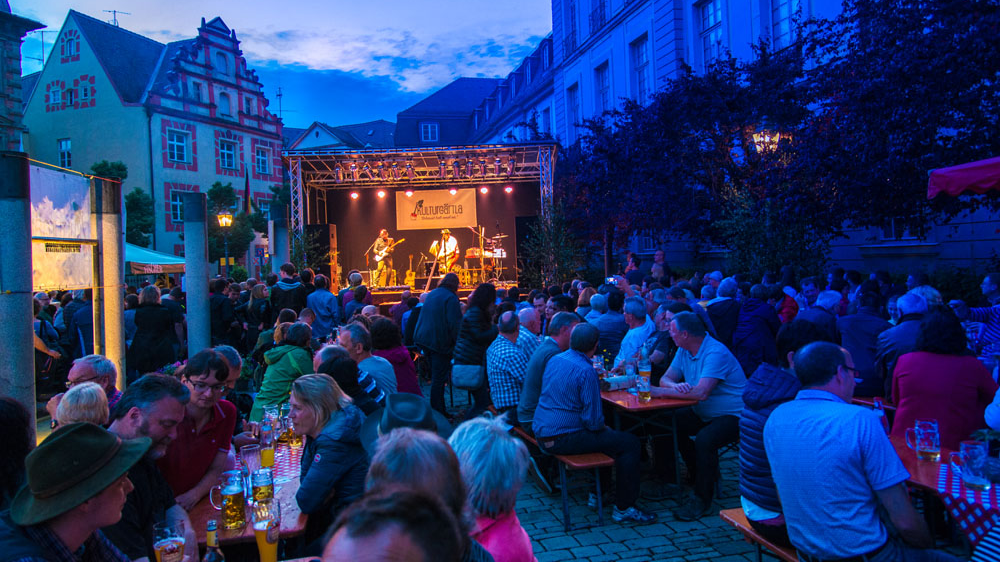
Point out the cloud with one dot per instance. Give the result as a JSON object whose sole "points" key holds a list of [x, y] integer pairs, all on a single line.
{"points": [[415, 63]]}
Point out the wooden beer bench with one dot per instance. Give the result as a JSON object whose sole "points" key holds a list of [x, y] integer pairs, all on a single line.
{"points": [[574, 463], [738, 519]]}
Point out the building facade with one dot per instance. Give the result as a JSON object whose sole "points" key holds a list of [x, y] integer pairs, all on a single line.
{"points": [[12, 31], [181, 116]]}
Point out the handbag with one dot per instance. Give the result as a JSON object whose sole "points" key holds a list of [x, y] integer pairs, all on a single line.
{"points": [[468, 377]]}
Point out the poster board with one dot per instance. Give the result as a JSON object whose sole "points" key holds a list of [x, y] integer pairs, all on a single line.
{"points": [[60, 208], [435, 209]]}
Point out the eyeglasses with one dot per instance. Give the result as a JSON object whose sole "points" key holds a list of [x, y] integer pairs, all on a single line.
{"points": [[201, 387], [71, 384], [856, 373]]}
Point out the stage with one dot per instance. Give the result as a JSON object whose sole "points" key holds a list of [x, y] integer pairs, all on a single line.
{"points": [[385, 298]]}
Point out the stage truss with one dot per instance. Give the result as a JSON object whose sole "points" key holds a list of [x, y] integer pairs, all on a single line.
{"points": [[412, 168]]}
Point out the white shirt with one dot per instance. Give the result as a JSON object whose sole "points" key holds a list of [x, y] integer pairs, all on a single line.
{"points": [[633, 340], [450, 247]]}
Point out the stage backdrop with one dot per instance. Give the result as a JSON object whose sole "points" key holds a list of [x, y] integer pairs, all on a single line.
{"points": [[60, 208], [436, 208]]}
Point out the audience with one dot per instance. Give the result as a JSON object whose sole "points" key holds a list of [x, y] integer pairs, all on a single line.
{"points": [[358, 385], [285, 363], [357, 340], [387, 343], [506, 364], [475, 334], [436, 332], [17, 440], [900, 339], [85, 402]]}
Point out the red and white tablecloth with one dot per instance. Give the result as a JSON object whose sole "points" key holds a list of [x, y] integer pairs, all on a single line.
{"points": [[976, 512], [286, 463]]}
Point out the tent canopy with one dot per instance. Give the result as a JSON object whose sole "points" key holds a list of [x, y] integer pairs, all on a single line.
{"points": [[977, 177], [143, 261]]}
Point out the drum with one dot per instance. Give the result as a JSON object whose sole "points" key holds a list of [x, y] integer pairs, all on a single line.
{"points": [[464, 275], [472, 253]]}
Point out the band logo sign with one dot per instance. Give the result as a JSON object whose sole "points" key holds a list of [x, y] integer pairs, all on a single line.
{"points": [[436, 208]]}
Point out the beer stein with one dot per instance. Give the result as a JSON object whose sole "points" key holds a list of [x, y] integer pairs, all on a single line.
{"points": [[972, 456], [232, 502], [262, 484], [925, 439]]}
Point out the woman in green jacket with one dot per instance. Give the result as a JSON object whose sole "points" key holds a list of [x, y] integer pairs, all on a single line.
{"points": [[285, 363]]}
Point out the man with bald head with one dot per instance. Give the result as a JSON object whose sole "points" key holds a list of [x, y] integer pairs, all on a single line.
{"points": [[528, 334], [506, 364], [91, 368]]}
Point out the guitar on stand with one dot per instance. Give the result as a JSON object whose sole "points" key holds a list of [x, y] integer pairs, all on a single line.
{"points": [[411, 275]]}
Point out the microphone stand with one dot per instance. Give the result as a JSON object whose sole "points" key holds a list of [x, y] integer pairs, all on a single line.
{"points": [[367, 266]]}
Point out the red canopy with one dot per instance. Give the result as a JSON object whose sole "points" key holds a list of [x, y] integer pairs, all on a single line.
{"points": [[977, 177]]}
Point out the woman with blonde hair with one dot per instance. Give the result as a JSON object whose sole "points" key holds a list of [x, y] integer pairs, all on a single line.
{"points": [[334, 462], [152, 346], [85, 402], [493, 465], [583, 301]]}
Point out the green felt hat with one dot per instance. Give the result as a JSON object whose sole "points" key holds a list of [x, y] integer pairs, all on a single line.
{"points": [[71, 466]]}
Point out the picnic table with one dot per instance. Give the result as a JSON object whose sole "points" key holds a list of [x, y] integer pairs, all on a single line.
{"points": [[286, 484], [658, 413]]}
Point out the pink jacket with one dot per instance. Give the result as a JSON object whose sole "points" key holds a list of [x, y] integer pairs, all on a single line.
{"points": [[504, 538]]}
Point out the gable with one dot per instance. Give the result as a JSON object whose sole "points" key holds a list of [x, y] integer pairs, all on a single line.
{"points": [[128, 59], [318, 136]]}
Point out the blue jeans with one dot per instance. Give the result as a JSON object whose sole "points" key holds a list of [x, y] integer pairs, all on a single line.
{"points": [[621, 446]]}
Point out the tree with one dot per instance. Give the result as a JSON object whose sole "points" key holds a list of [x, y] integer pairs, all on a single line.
{"points": [[222, 198], [138, 218], [553, 253], [110, 170]]}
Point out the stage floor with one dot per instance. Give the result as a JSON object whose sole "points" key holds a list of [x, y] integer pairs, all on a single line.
{"points": [[385, 298]]}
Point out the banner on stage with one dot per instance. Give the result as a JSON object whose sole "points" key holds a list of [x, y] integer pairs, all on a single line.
{"points": [[60, 208], [436, 208]]}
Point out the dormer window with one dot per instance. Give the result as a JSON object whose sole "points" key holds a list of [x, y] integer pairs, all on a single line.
{"points": [[248, 106], [225, 104], [221, 63]]}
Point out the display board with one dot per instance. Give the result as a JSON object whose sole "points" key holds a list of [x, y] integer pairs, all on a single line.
{"points": [[435, 208], [60, 208]]}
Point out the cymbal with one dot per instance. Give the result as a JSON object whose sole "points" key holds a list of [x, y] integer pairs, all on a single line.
{"points": [[500, 236]]}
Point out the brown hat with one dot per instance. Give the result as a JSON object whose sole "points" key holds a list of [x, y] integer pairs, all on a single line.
{"points": [[71, 466], [445, 231]]}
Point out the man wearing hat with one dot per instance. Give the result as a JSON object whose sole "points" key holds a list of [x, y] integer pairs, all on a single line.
{"points": [[77, 482], [402, 410], [446, 251]]}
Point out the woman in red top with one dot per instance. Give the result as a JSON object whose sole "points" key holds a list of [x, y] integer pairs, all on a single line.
{"points": [[387, 343], [941, 380]]}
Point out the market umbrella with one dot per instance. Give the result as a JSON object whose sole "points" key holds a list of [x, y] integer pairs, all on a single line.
{"points": [[976, 177]]}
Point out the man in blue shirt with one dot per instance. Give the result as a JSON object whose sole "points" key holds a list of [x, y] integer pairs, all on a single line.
{"points": [[611, 325], [569, 420], [833, 466], [324, 304]]}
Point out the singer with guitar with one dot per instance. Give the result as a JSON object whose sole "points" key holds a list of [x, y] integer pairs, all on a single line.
{"points": [[446, 251], [383, 248]]}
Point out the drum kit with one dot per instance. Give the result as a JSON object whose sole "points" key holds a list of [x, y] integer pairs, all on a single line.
{"points": [[490, 254]]}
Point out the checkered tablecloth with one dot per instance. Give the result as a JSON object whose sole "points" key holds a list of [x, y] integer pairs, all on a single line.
{"points": [[976, 512], [286, 462]]}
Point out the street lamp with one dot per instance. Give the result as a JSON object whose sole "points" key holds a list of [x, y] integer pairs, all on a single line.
{"points": [[766, 141], [226, 221]]}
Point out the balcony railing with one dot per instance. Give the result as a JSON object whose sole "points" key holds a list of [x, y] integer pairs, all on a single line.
{"points": [[569, 43], [598, 17]]}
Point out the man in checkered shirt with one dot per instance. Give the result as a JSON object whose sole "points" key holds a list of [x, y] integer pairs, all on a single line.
{"points": [[506, 364]]}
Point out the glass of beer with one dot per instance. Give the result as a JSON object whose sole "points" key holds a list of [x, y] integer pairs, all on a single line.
{"points": [[266, 445], [266, 528], [295, 441], [925, 439], [645, 368], [263, 484], [232, 503], [645, 394], [168, 542]]}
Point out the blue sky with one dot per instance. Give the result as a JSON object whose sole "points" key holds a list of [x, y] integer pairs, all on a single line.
{"points": [[336, 61]]}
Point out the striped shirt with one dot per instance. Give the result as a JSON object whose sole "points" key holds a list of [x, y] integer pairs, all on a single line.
{"points": [[505, 368], [990, 316]]}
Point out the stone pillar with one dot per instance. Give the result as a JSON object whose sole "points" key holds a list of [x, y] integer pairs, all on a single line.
{"points": [[17, 369], [107, 206], [280, 253], [196, 271]]}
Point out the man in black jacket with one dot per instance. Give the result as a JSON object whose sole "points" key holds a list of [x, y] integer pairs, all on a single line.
{"points": [[436, 333], [900, 339], [220, 312], [289, 292]]}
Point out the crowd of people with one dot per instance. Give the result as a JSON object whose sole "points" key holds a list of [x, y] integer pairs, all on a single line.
{"points": [[771, 365]]}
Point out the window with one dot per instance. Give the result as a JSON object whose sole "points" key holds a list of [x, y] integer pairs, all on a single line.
{"points": [[896, 230], [225, 105], [177, 143], [262, 159], [602, 88], [248, 106], [221, 63], [573, 108], [65, 153], [570, 42], [176, 207], [782, 24], [196, 90], [546, 121], [70, 98], [84, 93], [428, 132], [55, 96], [227, 154], [264, 205], [639, 54], [710, 31]]}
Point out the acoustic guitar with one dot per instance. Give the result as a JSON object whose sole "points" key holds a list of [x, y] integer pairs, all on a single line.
{"points": [[411, 276]]}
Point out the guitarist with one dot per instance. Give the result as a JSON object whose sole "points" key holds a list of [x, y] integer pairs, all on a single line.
{"points": [[446, 252], [383, 248]]}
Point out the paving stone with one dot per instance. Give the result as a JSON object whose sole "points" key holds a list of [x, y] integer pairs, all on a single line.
{"points": [[556, 543], [584, 552], [554, 555]]}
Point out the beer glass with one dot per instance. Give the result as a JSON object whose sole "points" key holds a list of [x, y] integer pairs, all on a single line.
{"points": [[267, 445], [598, 362], [262, 484], [926, 440], [645, 368], [645, 393], [249, 462], [232, 502], [266, 528], [168, 542], [630, 373], [295, 441], [286, 424], [972, 468]]}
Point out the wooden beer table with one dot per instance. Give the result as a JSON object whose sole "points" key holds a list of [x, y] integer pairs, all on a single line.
{"points": [[657, 413], [923, 474], [286, 484]]}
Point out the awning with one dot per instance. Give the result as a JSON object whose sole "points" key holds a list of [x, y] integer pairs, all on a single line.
{"points": [[976, 177], [143, 261]]}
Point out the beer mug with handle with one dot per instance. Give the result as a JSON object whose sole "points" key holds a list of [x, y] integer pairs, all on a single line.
{"points": [[267, 528], [971, 465], [232, 502], [925, 439]]}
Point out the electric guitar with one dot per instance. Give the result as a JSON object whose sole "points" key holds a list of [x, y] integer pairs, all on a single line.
{"points": [[379, 256]]}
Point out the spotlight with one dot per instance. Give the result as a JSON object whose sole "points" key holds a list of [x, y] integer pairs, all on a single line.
{"points": [[508, 189], [484, 190], [409, 193], [354, 195], [381, 194], [453, 191]]}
